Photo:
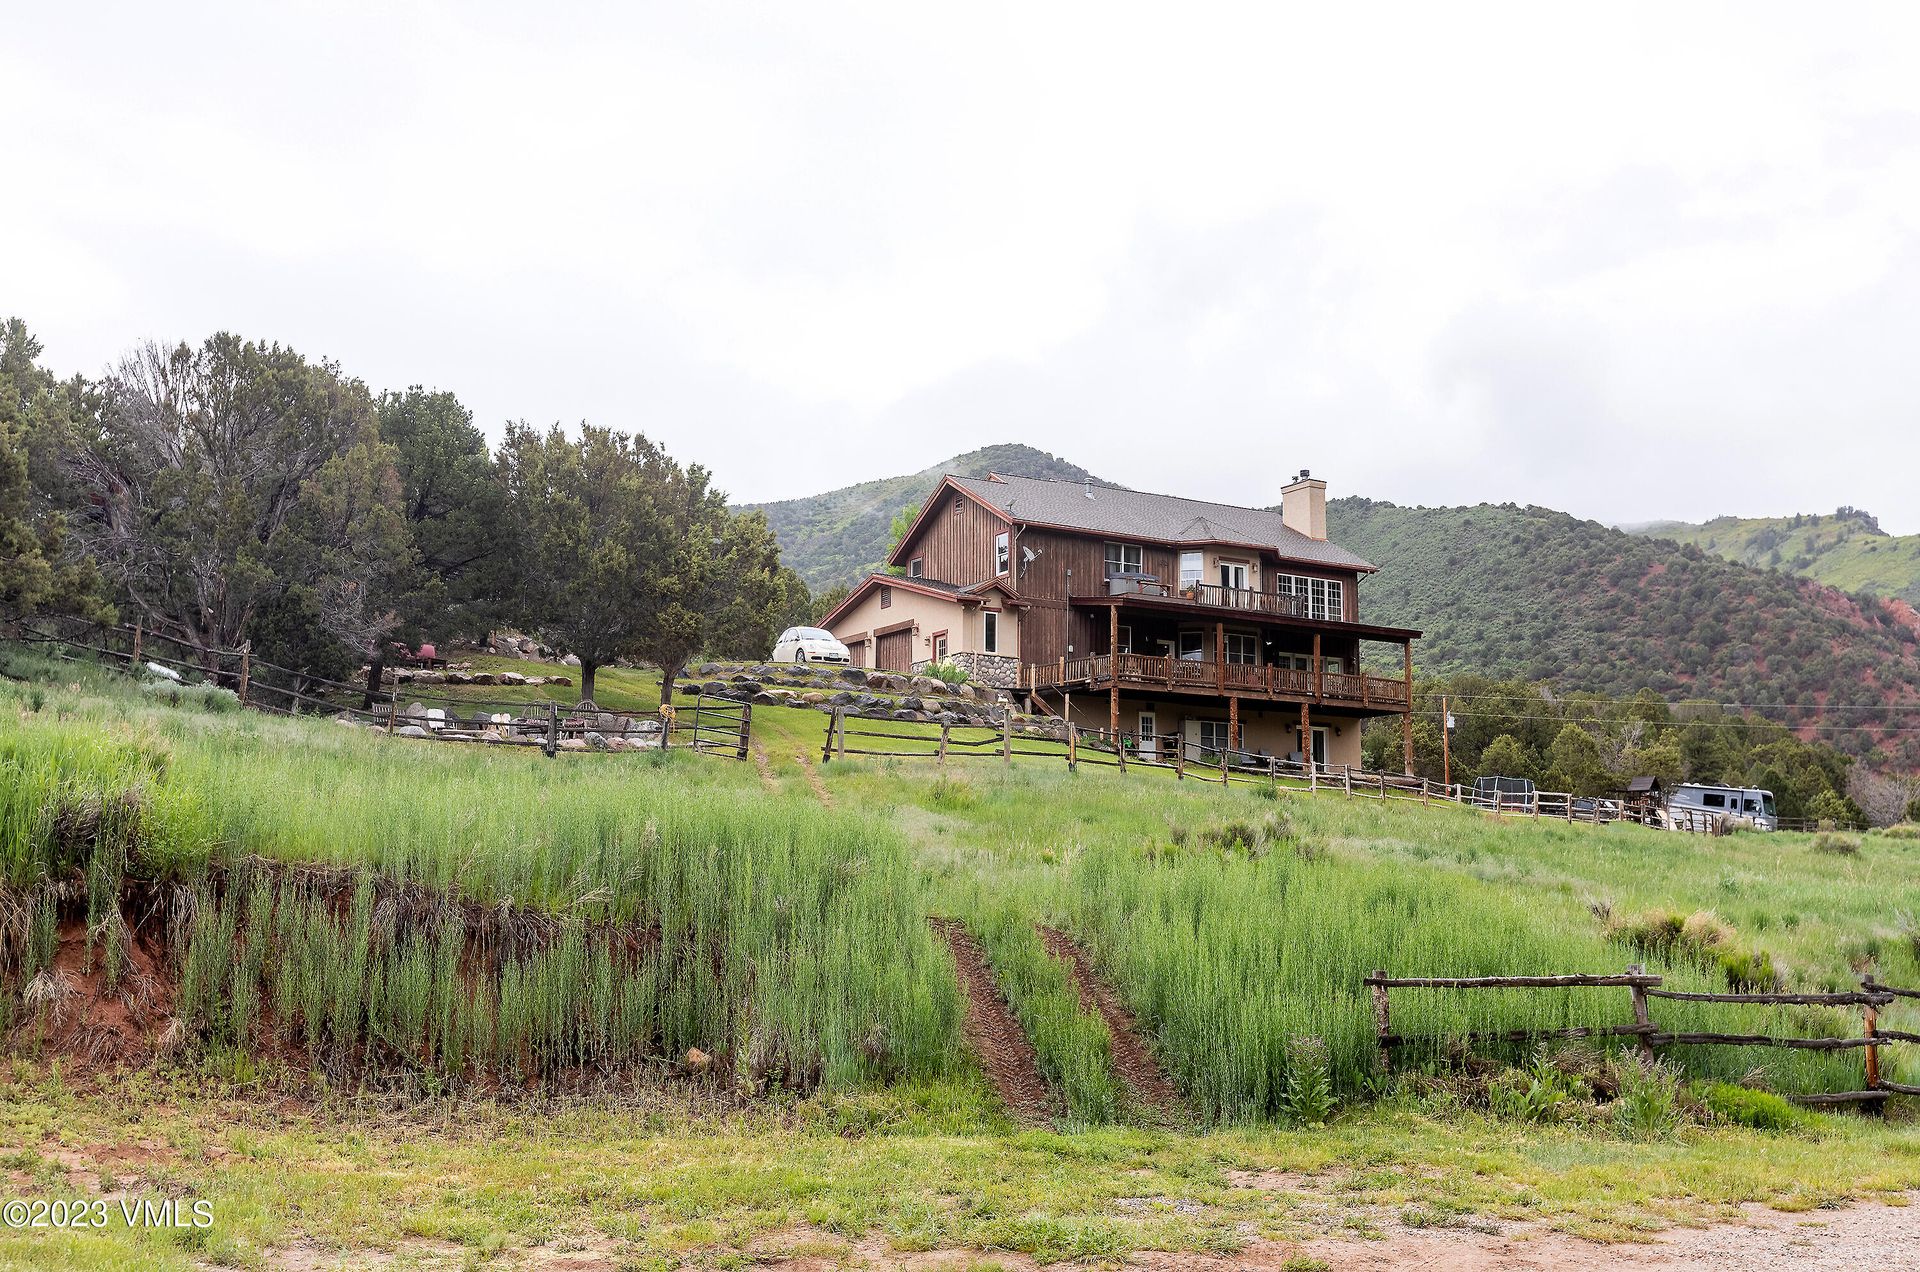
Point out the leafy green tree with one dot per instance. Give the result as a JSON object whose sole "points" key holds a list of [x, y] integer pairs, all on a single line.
{"points": [[1660, 758], [1505, 756], [1829, 806], [827, 602], [592, 530], [1913, 809], [36, 571], [195, 470], [454, 508], [1574, 764], [897, 531], [722, 588]]}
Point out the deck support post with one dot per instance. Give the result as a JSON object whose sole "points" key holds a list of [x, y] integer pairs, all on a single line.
{"points": [[1220, 655], [1406, 716], [1319, 670], [1233, 722], [1306, 737], [1113, 672]]}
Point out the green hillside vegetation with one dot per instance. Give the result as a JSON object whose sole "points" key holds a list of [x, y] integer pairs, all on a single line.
{"points": [[1846, 549], [1534, 594], [476, 925], [842, 535]]}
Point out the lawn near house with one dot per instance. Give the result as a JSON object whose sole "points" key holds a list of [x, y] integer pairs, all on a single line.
{"points": [[772, 916]]}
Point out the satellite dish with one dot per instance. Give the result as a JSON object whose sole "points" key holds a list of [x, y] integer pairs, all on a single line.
{"points": [[1027, 555]]}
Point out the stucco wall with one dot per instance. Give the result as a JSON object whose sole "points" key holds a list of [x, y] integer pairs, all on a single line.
{"points": [[963, 624]]}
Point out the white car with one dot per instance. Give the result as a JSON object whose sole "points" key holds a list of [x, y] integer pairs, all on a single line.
{"points": [[809, 644]]}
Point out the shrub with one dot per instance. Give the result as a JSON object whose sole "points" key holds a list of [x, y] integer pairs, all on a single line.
{"points": [[947, 672], [1308, 1095], [1665, 934], [1750, 972], [1904, 830], [1541, 1092], [1837, 844], [1743, 1106], [1648, 1105]]}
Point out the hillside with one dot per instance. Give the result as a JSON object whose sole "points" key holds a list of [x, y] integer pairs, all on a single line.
{"points": [[1846, 549], [838, 536], [1531, 592]]}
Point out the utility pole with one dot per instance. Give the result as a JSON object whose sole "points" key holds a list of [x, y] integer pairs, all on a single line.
{"points": [[1446, 744]]}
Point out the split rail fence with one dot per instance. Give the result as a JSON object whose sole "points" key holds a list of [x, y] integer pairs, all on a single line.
{"points": [[1172, 752], [1644, 987], [710, 726]]}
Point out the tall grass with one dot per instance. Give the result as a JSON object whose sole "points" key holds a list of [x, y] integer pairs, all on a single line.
{"points": [[1071, 1043], [784, 939]]}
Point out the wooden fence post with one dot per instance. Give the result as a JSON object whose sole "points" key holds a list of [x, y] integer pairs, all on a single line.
{"points": [[1006, 736], [1179, 758], [1382, 1025], [746, 730], [393, 709], [246, 669], [133, 664], [666, 726], [1120, 750], [826, 744], [552, 747], [1346, 778], [943, 746], [1073, 747], [1872, 1014], [1642, 1017]]}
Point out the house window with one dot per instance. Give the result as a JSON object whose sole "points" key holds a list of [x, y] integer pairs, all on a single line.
{"points": [[886, 595], [1242, 647], [1213, 736], [916, 567], [1191, 567], [1319, 598], [1233, 575], [939, 647], [990, 632], [1126, 639], [1125, 558], [1193, 646], [1000, 553]]}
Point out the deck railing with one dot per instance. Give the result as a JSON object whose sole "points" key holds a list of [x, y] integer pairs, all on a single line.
{"points": [[1214, 596], [1191, 675]]}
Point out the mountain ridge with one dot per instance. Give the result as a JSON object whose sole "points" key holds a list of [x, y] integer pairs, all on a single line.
{"points": [[1846, 549]]}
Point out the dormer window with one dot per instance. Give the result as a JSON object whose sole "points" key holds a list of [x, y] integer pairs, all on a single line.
{"points": [[1000, 558], [917, 568]]}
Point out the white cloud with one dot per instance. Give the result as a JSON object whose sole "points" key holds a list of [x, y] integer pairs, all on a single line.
{"points": [[1437, 253]]}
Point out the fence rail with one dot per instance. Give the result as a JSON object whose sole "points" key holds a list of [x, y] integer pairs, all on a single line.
{"points": [[1643, 987], [710, 726]]}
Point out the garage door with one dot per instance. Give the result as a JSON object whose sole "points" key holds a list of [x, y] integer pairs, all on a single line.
{"points": [[894, 651]]}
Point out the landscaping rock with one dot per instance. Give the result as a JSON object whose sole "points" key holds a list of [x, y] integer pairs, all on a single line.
{"points": [[572, 744], [412, 731], [563, 681], [415, 711]]}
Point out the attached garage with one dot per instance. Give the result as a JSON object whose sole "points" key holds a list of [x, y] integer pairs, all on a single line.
{"points": [[893, 651]]}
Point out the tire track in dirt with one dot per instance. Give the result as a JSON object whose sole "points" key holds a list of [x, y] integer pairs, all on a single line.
{"points": [[814, 779], [761, 762], [993, 1033], [1153, 1092]]}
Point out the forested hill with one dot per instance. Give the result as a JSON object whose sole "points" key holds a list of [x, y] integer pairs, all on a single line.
{"points": [[1535, 593], [839, 536], [1846, 549]]}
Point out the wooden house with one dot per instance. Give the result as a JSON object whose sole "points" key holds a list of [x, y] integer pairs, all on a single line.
{"points": [[1163, 620]]}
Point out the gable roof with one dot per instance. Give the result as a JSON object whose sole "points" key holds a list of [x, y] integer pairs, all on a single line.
{"points": [[1135, 514], [940, 589]]}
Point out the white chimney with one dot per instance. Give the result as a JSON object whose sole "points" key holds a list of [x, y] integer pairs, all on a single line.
{"points": [[1303, 505]]}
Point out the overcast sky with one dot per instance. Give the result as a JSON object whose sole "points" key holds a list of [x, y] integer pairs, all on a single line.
{"points": [[1636, 262]]}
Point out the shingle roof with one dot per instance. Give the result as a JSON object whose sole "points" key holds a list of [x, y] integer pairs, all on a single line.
{"points": [[1137, 514]]}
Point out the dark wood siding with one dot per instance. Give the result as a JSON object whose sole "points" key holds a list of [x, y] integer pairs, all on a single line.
{"points": [[956, 546], [894, 651]]}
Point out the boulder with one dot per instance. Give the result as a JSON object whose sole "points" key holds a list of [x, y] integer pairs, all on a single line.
{"points": [[412, 731], [565, 682], [415, 711], [878, 680], [912, 704], [813, 697], [511, 678], [926, 685], [852, 675], [482, 678], [767, 698], [906, 715], [459, 678], [595, 739], [570, 660], [572, 744], [841, 699]]}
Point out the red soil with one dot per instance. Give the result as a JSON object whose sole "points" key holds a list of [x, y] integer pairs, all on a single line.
{"points": [[993, 1033], [92, 1023]]}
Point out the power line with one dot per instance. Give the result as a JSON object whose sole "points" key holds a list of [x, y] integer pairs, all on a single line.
{"points": [[1712, 724]]}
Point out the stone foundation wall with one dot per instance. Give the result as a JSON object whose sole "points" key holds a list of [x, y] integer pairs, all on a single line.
{"points": [[1002, 671]]}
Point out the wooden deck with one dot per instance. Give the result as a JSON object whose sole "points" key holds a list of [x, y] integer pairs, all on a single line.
{"points": [[1179, 675]]}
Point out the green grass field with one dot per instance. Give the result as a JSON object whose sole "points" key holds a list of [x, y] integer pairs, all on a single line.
{"points": [[481, 967]]}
